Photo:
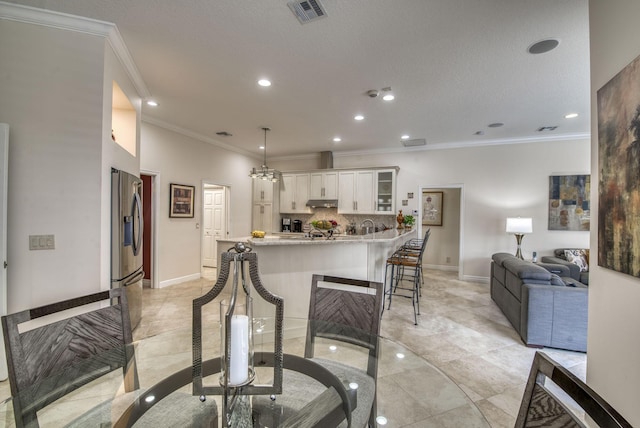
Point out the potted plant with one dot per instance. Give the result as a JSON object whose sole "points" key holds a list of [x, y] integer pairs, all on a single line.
{"points": [[409, 220]]}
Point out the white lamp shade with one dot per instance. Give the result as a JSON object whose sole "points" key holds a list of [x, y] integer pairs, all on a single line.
{"points": [[519, 225]]}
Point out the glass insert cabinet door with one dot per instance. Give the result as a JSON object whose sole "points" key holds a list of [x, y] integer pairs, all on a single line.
{"points": [[385, 190]]}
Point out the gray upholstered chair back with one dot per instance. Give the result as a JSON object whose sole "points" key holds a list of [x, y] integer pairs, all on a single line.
{"points": [[542, 406], [49, 361], [347, 310]]}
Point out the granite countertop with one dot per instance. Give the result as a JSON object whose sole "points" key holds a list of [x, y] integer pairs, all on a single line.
{"points": [[388, 236]]}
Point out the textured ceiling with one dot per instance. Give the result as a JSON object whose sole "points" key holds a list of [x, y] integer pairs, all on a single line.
{"points": [[455, 66]]}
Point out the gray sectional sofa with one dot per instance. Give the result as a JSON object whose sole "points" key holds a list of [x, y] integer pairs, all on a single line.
{"points": [[543, 303], [560, 259]]}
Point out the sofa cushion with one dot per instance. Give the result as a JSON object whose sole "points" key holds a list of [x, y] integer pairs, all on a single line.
{"points": [[526, 270], [499, 258], [578, 258]]}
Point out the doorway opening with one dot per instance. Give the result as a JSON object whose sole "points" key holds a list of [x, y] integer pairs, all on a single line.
{"points": [[215, 209], [446, 241], [150, 198]]}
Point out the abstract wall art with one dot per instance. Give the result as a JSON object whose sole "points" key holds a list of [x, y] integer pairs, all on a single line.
{"points": [[619, 167], [569, 206]]}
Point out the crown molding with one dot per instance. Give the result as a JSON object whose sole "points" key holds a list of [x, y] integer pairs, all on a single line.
{"points": [[78, 24], [466, 144], [199, 137]]}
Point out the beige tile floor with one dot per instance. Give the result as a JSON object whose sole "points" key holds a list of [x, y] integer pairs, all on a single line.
{"points": [[460, 331]]}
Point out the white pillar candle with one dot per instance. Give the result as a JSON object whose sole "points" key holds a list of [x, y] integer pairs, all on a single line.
{"points": [[239, 358]]}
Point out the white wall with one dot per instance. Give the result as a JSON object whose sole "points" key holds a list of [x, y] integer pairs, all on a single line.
{"points": [[444, 241], [184, 160], [499, 182], [51, 96], [114, 155], [613, 341]]}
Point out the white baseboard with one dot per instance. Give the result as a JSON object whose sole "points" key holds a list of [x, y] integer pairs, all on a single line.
{"points": [[472, 278], [179, 280], [441, 267]]}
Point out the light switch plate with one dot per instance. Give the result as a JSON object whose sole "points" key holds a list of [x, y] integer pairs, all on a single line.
{"points": [[42, 242]]}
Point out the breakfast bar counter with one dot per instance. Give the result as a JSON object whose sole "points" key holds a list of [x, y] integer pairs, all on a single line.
{"points": [[286, 262]]}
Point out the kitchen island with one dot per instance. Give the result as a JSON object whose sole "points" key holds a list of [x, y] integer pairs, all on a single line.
{"points": [[286, 262]]}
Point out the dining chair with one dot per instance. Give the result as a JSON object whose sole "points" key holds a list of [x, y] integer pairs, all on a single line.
{"points": [[348, 310], [65, 352], [555, 397]]}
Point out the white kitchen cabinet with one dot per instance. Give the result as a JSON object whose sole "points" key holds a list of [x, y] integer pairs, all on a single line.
{"points": [[262, 191], [262, 217], [385, 185], [323, 185], [294, 193], [356, 192]]}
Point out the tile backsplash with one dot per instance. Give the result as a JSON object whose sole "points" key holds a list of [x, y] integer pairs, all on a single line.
{"points": [[343, 219]]}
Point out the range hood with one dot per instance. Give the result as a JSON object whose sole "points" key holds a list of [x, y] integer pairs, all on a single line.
{"points": [[322, 203], [326, 162]]}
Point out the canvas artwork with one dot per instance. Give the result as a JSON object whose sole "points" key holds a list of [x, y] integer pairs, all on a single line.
{"points": [[618, 163], [569, 207], [181, 200], [432, 203]]}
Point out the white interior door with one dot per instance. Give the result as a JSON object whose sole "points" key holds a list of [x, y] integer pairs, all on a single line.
{"points": [[4, 163], [219, 219], [214, 224], [208, 240]]}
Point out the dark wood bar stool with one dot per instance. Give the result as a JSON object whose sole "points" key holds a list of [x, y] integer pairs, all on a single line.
{"points": [[406, 265]]}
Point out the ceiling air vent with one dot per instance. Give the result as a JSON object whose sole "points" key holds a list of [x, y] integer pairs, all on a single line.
{"points": [[547, 128], [415, 142], [307, 10]]}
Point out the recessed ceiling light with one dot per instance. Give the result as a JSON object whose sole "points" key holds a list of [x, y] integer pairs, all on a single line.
{"points": [[152, 103], [405, 137], [543, 46], [261, 147], [358, 117], [337, 139], [264, 82], [571, 115], [389, 97], [381, 420], [495, 125]]}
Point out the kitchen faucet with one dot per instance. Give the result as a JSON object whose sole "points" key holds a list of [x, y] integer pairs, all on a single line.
{"points": [[366, 230]]}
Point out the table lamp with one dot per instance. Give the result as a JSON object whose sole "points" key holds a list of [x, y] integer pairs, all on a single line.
{"points": [[519, 226]]}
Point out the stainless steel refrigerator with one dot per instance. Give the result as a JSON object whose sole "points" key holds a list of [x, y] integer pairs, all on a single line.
{"points": [[126, 239]]}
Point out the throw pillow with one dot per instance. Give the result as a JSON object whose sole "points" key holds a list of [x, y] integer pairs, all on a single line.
{"points": [[577, 257]]}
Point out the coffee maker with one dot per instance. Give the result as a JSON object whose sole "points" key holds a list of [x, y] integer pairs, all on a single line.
{"points": [[286, 224], [297, 226]]}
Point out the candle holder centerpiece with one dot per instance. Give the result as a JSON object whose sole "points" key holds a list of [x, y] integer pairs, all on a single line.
{"points": [[236, 365]]}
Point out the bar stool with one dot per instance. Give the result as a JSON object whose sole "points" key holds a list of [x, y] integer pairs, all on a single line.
{"points": [[413, 247], [406, 265]]}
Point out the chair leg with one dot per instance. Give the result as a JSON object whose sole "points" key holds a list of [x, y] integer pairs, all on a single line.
{"points": [[390, 288]]}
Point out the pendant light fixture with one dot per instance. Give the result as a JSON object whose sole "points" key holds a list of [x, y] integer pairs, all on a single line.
{"points": [[265, 173]]}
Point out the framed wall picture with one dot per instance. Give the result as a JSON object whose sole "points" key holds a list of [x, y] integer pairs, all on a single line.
{"points": [[181, 200], [569, 205], [432, 204]]}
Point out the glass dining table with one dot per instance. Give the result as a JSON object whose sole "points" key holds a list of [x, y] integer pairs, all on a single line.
{"points": [[409, 389]]}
